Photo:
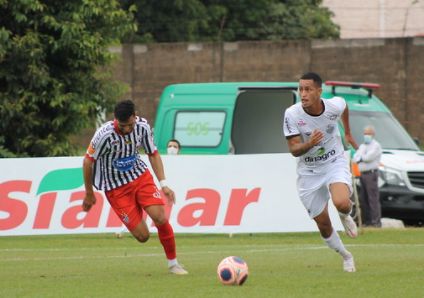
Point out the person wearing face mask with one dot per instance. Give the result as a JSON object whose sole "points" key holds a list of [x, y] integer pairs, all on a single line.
{"points": [[173, 147], [368, 158]]}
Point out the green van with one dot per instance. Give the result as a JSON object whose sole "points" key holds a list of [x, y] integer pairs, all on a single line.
{"points": [[246, 118]]}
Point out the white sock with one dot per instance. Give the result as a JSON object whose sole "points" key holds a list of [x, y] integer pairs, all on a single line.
{"points": [[343, 215], [334, 242], [172, 262]]}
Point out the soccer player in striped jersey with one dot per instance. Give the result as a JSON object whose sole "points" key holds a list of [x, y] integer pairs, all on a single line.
{"points": [[311, 130], [113, 164]]}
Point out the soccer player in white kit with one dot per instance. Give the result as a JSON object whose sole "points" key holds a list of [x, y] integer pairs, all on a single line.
{"points": [[311, 130]]}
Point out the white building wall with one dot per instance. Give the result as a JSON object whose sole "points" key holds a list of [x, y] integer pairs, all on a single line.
{"points": [[378, 18]]}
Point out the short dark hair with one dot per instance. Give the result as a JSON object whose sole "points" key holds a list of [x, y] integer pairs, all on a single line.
{"points": [[175, 141], [124, 110], [312, 76]]}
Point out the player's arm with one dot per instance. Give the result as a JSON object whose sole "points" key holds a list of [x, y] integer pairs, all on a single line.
{"points": [[357, 157], [371, 154], [157, 166], [298, 148], [348, 136], [87, 169]]}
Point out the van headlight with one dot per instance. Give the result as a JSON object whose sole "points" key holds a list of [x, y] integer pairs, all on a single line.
{"points": [[391, 176]]}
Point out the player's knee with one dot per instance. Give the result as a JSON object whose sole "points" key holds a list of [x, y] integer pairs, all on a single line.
{"points": [[143, 238], [343, 206], [160, 220]]}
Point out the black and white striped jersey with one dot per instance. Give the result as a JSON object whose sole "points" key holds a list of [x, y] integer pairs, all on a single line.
{"points": [[117, 160]]}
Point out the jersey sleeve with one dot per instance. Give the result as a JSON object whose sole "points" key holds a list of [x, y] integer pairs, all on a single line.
{"points": [[147, 137], [339, 103], [98, 145], [289, 124]]}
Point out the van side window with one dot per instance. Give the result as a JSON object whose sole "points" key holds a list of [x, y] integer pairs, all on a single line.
{"points": [[199, 128]]}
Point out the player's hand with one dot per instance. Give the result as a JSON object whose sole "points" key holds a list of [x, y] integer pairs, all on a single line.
{"points": [[169, 193], [88, 201], [349, 138], [316, 137]]}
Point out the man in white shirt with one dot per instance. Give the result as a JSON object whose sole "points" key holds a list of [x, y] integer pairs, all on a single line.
{"points": [[311, 130], [368, 158]]}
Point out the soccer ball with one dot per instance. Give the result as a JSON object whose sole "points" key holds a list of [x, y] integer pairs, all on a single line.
{"points": [[232, 271]]}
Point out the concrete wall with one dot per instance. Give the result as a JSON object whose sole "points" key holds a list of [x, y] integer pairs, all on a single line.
{"points": [[397, 64]]}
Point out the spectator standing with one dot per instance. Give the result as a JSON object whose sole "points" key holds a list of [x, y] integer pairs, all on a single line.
{"points": [[368, 158]]}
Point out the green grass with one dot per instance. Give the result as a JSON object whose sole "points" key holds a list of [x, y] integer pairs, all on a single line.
{"points": [[390, 263]]}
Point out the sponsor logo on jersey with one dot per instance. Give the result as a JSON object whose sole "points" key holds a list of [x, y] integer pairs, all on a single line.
{"points": [[330, 129], [332, 116], [125, 163], [301, 122], [156, 194], [125, 217], [320, 157]]}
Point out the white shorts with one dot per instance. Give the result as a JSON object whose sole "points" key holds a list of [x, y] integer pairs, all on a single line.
{"points": [[314, 188]]}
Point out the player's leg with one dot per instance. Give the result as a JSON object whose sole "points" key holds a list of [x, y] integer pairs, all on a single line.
{"points": [[166, 237], [140, 231], [314, 195], [340, 195], [132, 217], [165, 231], [123, 203], [332, 239], [339, 182], [149, 198]]}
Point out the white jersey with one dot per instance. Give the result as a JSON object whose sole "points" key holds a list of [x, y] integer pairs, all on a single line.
{"points": [[298, 122], [117, 158]]}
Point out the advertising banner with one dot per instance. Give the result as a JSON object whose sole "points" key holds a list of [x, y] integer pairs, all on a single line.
{"points": [[214, 194]]}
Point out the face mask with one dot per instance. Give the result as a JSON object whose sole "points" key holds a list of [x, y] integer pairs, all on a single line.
{"points": [[172, 151], [367, 139]]}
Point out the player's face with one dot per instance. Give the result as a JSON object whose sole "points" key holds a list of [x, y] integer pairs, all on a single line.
{"points": [[126, 127], [310, 93]]}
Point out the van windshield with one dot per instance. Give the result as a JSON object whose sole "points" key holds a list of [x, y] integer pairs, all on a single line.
{"points": [[388, 131]]}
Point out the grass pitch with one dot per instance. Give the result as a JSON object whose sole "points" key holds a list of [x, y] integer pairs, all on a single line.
{"points": [[390, 263]]}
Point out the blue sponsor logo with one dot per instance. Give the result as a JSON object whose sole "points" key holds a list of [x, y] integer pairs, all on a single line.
{"points": [[125, 163]]}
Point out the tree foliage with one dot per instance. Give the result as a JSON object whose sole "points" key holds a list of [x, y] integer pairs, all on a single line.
{"points": [[50, 83], [231, 20]]}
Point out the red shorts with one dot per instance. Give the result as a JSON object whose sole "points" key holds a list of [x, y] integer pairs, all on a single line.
{"points": [[129, 200]]}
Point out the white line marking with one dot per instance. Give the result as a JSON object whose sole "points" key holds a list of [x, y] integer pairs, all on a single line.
{"points": [[126, 254]]}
